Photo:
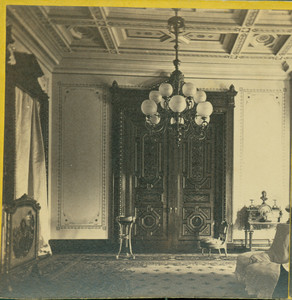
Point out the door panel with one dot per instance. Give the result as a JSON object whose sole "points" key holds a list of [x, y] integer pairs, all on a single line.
{"points": [[200, 175], [144, 160], [198, 188]]}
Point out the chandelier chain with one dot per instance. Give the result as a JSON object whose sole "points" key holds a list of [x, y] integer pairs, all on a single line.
{"points": [[177, 106]]}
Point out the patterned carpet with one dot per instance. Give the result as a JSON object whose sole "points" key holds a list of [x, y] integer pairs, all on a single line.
{"points": [[102, 276]]}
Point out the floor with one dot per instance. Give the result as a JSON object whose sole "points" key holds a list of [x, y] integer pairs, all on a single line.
{"points": [[152, 275]]}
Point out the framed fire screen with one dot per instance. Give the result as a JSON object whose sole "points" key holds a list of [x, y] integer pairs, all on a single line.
{"points": [[21, 232]]}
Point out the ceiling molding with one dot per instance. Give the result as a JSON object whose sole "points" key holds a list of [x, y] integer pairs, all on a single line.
{"points": [[137, 41], [62, 37], [244, 33], [158, 69], [29, 30], [104, 30]]}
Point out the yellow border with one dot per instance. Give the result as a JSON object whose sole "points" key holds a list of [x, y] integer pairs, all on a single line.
{"points": [[161, 3], [120, 3], [2, 90]]}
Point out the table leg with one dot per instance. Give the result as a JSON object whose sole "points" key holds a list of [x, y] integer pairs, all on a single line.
{"points": [[121, 243], [250, 239], [130, 245], [245, 240]]}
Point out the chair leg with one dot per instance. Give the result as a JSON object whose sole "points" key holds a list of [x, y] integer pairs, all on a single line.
{"points": [[219, 251], [225, 250], [209, 252], [202, 251]]}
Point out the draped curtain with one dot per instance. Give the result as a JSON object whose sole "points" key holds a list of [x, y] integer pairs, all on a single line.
{"points": [[30, 164]]}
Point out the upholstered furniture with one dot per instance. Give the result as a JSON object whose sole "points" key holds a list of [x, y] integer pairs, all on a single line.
{"points": [[125, 235], [259, 270], [216, 243]]}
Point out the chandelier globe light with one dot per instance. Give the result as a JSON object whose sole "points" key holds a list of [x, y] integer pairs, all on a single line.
{"points": [[177, 105]]}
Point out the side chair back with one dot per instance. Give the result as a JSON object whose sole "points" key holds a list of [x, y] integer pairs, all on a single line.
{"points": [[216, 243]]}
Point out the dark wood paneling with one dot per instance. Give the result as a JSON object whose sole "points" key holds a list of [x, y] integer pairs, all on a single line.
{"points": [[177, 194]]}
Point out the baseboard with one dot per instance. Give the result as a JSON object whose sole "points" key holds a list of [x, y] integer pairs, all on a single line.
{"points": [[82, 246]]}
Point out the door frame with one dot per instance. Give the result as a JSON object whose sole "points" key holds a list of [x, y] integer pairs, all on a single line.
{"points": [[223, 103]]}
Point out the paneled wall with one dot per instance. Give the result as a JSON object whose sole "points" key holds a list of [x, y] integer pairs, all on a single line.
{"points": [[80, 166], [262, 148], [261, 143], [79, 158]]}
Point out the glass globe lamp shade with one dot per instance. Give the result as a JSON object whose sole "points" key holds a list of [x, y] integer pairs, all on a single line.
{"points": [[204, 109], [177, 103], [200, 96], [172, 121], [148, 107], [155, 96], [165, 89], [189, 90], [199, 120]]}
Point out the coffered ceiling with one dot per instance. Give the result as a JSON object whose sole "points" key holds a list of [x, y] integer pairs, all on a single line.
{"points": [[138, 39]]}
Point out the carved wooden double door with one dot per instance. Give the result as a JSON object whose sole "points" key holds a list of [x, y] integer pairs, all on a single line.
{"points": [[176, 193]]}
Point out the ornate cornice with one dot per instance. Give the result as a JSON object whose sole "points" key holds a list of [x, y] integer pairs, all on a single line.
{"points": [[227, 56], [29, 30], [51, 28]]}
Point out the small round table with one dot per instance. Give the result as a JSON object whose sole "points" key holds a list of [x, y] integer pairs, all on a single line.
{"points": [[125, 226]]}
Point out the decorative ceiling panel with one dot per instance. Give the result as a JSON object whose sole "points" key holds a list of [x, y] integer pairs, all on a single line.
{"points": [[145, 29], [134, 32], [148, 34], [275, 17], [193, 36], [265, 43]]}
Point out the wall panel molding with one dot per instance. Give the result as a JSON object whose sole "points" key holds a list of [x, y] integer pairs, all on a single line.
{"points": [[247, 98], [88, 147]]}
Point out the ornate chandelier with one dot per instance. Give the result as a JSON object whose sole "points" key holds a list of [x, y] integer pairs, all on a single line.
{"points": [[177, 105]]}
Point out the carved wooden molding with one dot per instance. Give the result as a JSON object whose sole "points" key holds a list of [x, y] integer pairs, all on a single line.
{"points": [[134, 195]]}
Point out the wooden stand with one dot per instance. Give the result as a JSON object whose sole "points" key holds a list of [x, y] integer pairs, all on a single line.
{"points": [[126, 224]]}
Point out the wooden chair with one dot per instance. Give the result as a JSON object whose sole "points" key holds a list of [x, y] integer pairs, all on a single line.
{"points": [[216, 243]]}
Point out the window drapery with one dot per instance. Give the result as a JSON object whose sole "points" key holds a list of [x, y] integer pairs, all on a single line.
{"points": [[30, 163]]}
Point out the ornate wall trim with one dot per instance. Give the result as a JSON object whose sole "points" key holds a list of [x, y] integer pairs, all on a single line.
{"points": [[121, 162], [63, 88], [281, 101]]}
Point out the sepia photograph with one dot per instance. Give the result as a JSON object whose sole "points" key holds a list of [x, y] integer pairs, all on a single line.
{"points": [[146, 151]]}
